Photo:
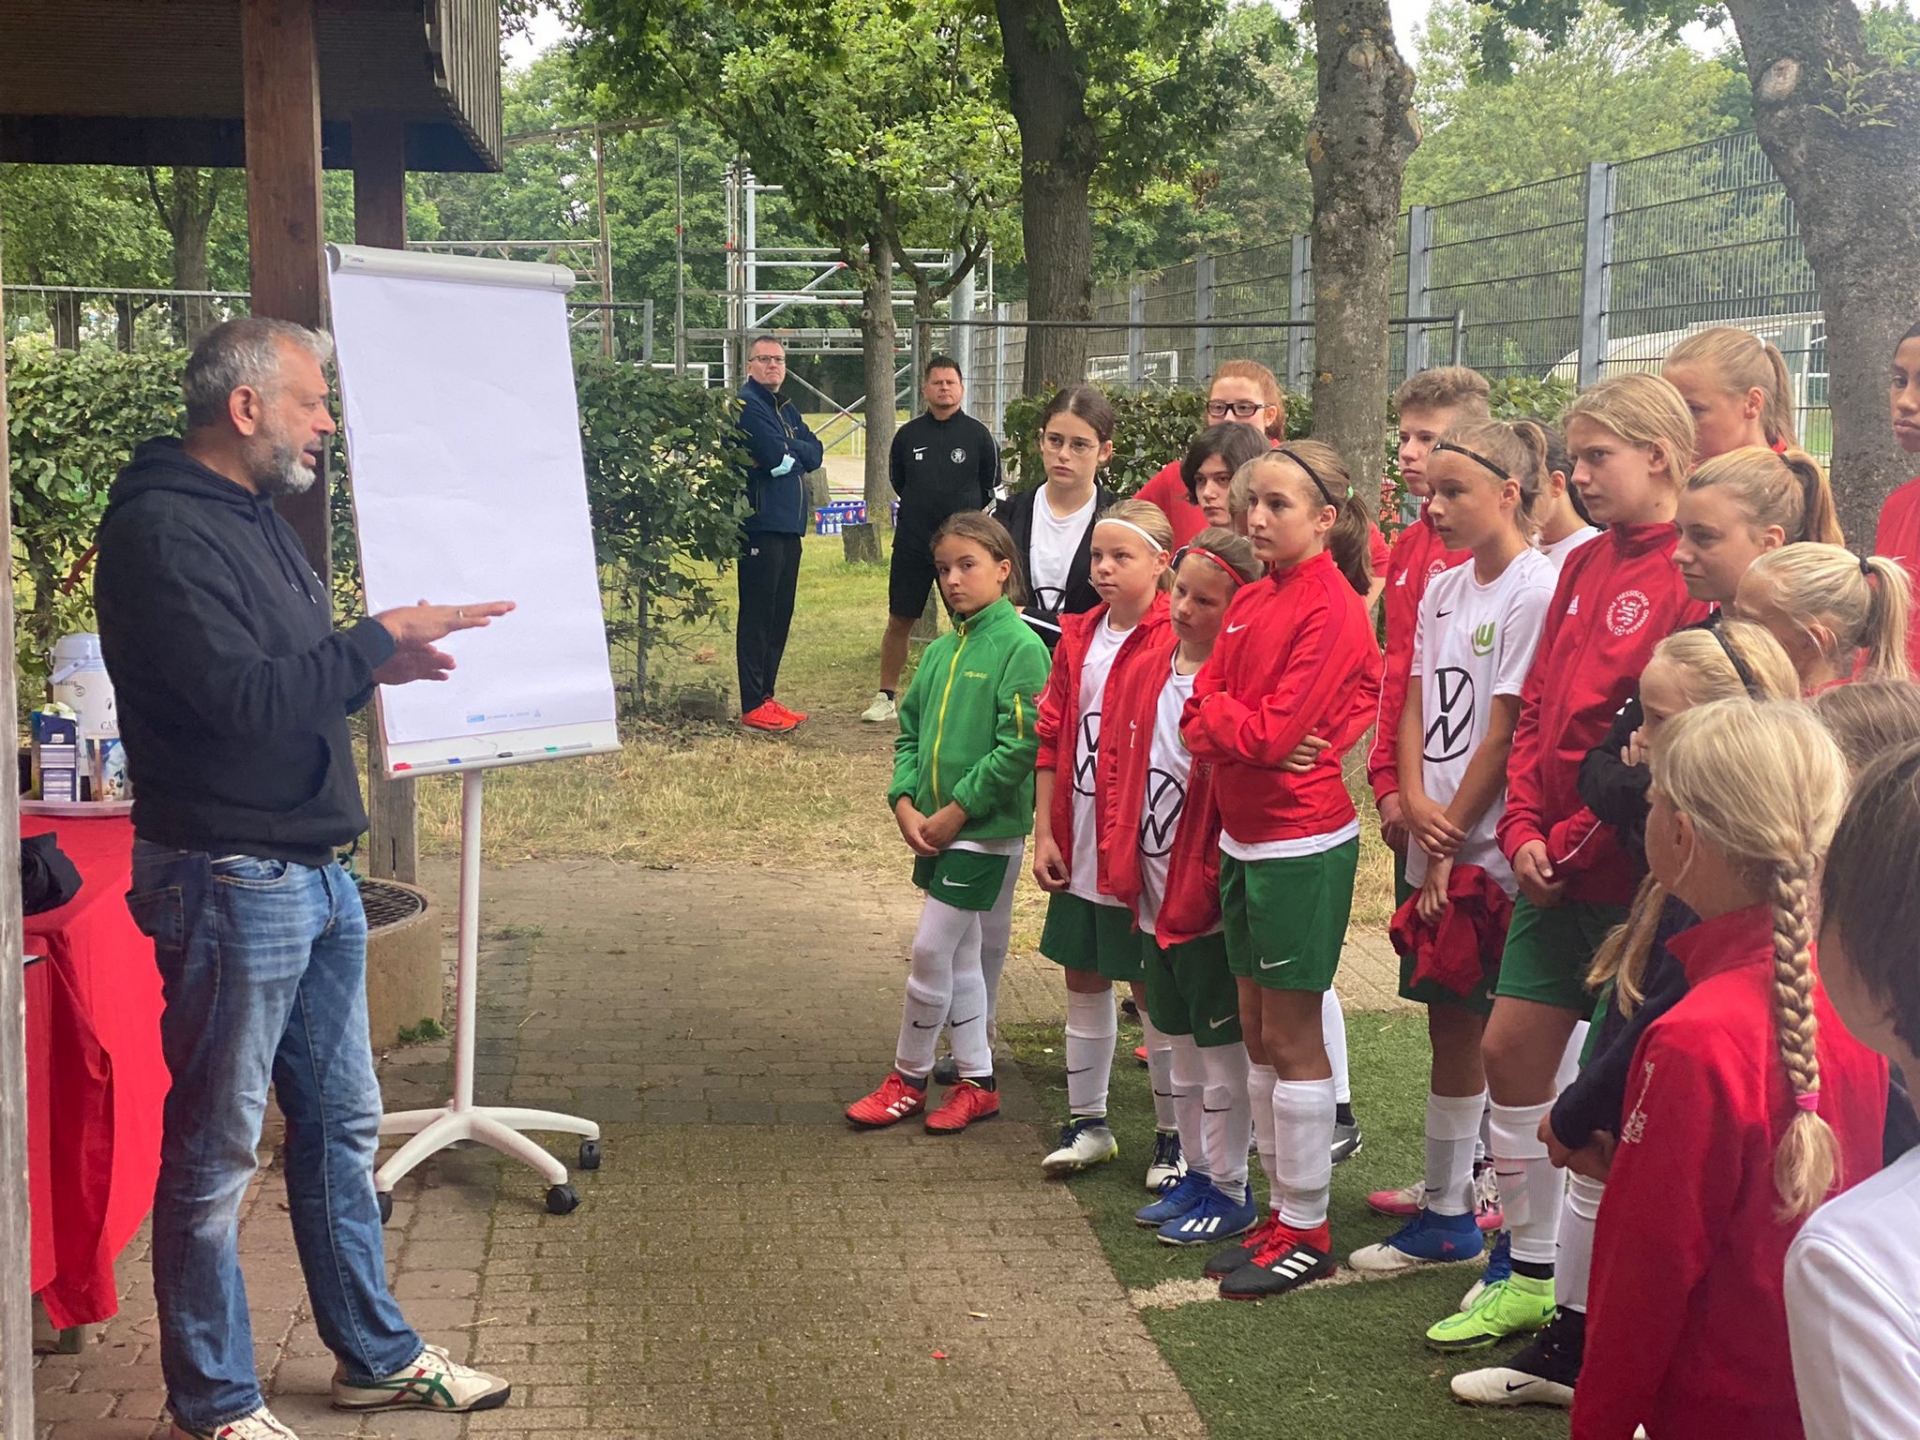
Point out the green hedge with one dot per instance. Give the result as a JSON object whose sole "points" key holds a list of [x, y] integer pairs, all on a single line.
{"points": [[665, 486]]}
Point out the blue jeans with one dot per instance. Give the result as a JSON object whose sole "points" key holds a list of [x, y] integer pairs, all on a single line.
{"points": [[263, 966]]}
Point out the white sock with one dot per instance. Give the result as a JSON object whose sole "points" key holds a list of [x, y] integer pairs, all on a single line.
{"points": [[1260, 1083], [1166, 1115], [1227, 1113], [1573, 1267], [1570, 1058], [1092, 1027], [1453, 1124], [1529, 1185], [1303, 1150], [1333, 1034], [967, 1015], [1486, 1129], [1189, 1080], [942, 932], [996, 934]]}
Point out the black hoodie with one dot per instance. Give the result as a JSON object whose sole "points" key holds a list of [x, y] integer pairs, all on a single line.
{"points": [[232, 686]]}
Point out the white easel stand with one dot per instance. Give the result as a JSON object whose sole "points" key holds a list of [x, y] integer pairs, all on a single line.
{"points": [[460, 1119]]}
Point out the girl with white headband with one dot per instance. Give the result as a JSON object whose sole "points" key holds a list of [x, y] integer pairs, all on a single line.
{"points": [[1088, 933]]}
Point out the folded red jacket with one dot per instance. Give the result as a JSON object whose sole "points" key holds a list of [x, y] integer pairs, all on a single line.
{"points": [[1464, 947]]}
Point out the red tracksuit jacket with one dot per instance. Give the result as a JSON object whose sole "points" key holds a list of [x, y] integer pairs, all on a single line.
{"points": [[1619, 595], [1191, 905], [1417, 557], [1296, 657], [1169, 492], [1898, 538], [1058, 721], [1687, 1328]]}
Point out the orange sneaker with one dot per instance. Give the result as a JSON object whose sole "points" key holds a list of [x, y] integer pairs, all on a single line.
{"points": [[798, 717], [966, 1102], [895, 1100], [768, 718]]}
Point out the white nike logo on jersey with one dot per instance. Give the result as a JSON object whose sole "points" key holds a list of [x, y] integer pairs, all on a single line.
{"points": [[1216, 1024], [1276, 964], [1236, 629], [953, 885]]}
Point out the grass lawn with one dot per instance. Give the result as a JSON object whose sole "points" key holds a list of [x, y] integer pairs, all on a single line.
{"points": [[1338, 1359]]}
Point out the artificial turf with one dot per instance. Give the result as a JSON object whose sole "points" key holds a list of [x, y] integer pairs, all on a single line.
{"points": [[1334, 1359]]}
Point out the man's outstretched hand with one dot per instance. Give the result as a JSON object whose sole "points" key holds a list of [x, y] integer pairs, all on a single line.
{"points": [[422, 624], [416, 662]]}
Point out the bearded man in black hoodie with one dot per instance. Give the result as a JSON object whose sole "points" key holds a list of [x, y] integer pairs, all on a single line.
{"points": [[233, 690]]}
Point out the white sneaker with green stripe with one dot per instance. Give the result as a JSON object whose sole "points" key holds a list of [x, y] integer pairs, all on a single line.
{"points": [[260, 1425], [434, 1381]]}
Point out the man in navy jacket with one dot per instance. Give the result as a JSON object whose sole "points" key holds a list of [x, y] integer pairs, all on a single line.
{"points": [[783, 451]]}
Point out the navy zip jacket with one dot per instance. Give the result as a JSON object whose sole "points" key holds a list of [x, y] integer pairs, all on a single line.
{"points": [[774, 430], [232, 685]]}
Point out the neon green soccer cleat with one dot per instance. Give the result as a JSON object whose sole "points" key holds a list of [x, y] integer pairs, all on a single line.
{"points": [[1514, 1306]]}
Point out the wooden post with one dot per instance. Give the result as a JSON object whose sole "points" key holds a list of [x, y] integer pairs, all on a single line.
{"points": [[16, 1244], [380, 218], [280, 68]]}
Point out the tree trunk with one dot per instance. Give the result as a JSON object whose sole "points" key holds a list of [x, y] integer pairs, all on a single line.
{"points": [[1842, 128], [186, 208], [878, 338], [1364, 130], [1047, 88]]}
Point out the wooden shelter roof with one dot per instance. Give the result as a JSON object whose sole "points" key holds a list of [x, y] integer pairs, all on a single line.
{"points": [[158, 82]]}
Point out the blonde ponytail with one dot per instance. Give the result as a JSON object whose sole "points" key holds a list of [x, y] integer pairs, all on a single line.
{"points": [[1764, 785], [1859, 604], [1889, 614], [1623, 955]]}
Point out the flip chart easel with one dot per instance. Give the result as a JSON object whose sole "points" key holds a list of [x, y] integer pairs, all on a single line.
{"points": [[463, 439]]}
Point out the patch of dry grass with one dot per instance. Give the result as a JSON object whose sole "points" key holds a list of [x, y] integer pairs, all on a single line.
{"points": [[707, 793]]}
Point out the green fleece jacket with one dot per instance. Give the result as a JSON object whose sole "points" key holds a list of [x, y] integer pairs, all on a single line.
{"points": [[966, 724]]}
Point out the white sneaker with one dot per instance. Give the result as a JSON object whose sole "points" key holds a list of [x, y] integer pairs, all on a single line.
{"points": [[881, 710], [260, 1425], [1084, 1143], [1168, 1163], [434, 1381]]}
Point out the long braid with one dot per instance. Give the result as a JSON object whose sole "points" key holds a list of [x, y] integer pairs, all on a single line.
{"points": [[1805, 1165]]}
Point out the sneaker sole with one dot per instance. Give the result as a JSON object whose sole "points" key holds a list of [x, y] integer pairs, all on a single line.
{"points": [[1212, 1239], [1481, 1342], [1410, 1263], [1074, 1167], [883, 1124], [492, 1401], [933, 1129], [1395, 1212], [1322, 1271], [1497, 1391], [1340, 1157]]}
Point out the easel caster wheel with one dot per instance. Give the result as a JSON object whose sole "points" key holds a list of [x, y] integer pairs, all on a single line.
{"points": [[562, 1200], [589, 1154], [386, 1206]]}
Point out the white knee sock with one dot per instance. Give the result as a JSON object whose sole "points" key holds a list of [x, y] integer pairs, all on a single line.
{"points": [[1529, 1185], [967, 1014], [1453, 1125], [1227, 1114], [1574, 1265], [1486, 1131], [1333, 1034], [1570, 1058], [996, 933], [1303, 1150], [1260, 1083], [1189, 1100], [1092, 1027], [937, 939], [1160, 1071]]}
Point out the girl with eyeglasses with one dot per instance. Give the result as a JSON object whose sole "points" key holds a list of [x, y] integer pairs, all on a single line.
{"points": [[1052, 524]]}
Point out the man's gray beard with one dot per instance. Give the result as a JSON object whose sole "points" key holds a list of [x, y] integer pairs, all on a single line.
{"points": [[285, 473]]}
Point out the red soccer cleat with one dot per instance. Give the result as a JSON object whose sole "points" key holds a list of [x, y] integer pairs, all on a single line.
{"points": [[894, 1101], [966, 1102], [768, 718]]}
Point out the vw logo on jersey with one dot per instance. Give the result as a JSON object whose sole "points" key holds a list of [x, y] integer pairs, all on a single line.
{"points": [[1086, 757], [1450, 733], [1048, 599], [1166, 798], [1629, 611], [957, 455]]}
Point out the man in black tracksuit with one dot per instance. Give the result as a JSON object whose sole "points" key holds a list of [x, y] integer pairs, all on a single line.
{"points": [[942, 462], [784, 450]]}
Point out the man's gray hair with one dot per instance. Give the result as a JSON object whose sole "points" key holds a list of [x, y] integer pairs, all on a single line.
{"points": [[758, 340], [242, 352]]}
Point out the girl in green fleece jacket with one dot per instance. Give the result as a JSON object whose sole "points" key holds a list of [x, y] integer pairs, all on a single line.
{"points": [[962, 793]]}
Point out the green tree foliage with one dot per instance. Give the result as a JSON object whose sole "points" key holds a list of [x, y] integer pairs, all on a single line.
{"points": [[1609, 93]]}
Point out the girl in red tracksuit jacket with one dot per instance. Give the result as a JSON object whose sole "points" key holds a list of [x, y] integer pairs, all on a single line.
{"points": [[1089, 933], [1295, 657], [1898, 535], [1162, 858], [1750, 1102], [1617, 597]]}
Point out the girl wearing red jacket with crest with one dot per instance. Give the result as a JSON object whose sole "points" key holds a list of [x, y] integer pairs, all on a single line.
{"points": [[1618, 596], [1295, 656], [1162, 858], [1898, 535], [1750, 1102], [1089, 933]]}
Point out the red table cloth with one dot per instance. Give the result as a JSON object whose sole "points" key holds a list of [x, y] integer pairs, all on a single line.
{"points": [[96, 1080]]}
